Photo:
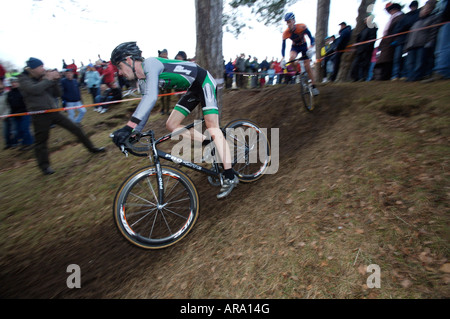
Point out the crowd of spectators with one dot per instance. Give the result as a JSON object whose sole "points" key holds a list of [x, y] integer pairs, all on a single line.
{"points": [[410, 50], [414, 46]]}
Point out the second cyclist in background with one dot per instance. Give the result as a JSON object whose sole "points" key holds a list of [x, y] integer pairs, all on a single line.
{"points": [[297, 32]]}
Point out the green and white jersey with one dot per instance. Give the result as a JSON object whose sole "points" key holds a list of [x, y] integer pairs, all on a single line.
{"points": [[177, 74], [174, 74]]}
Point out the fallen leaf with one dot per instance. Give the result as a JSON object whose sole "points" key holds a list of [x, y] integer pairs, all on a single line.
{"points": [[362, 269], [406, 283], [445, 268], [423, 257]]}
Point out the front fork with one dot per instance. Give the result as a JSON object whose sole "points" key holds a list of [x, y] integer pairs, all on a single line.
{"points": [[159, 174]]}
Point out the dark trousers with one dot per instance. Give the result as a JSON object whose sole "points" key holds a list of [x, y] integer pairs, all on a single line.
{"points": [[42, 124], [336, 65], [94, 91], [165, 101], [361, 65], [23, 129]]}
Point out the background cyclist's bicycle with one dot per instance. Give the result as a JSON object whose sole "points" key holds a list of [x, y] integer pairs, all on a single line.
{"points": [[306, 89]]}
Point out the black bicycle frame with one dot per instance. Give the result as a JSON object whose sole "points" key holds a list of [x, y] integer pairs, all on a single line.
{"points": [[157, 154]]}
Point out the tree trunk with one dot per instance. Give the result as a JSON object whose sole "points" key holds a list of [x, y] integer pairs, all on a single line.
{"points": [[209, 41], [323, 14], [348, 57]]}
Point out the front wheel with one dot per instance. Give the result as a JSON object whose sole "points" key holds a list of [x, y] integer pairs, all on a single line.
{"points": [[307, 94], [250, 149], [148, 223]]}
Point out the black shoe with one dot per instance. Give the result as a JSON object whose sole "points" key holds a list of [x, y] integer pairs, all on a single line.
{"points": [[96, 150], [227, 187], [48, 171]]}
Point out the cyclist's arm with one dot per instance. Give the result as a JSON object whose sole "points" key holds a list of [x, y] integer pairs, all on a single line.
{"points": [[152, 70], [283, 48], [311, 38]]}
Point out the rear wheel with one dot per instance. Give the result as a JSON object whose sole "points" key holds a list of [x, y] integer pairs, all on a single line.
{"points": [[146, 222], [250, 149]]}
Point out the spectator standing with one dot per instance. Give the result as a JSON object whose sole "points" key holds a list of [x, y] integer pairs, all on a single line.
{"points": [[8, 124], [83, 70], [240, 69], [99, 68], [383, 68], [165, 100], [363, 55], [271, 73], [399, 65], [93, 80], [73, 67], [327, 65], [340, 45], [264, 67], [248, 71], [109, 74], [278, 71], [442, 52], [2, 73], [39, 89], [23, 122], [71, 97], [181, 55], [421, 43], [254, 69], [229, 72], [373, 62]]}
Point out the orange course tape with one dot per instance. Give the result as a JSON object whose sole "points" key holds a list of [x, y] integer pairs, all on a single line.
{"points": [[79, 107]]}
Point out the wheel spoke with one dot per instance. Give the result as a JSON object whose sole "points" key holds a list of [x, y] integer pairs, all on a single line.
{"points": [[150, 224]]}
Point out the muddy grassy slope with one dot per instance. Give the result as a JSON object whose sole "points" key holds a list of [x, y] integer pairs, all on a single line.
{"points": [[362, 181]]}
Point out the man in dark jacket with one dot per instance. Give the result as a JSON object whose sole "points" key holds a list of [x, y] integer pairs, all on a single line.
{"points": [[363, 56], [421, 42], [340, 44], [441, 70], [405, 24], [240, 69], [40, 89]]}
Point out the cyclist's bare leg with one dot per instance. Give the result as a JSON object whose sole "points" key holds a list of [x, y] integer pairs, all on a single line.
{"points": [[292, 57], [173, 124], [222, 147], [309, 71], [307, 66]]}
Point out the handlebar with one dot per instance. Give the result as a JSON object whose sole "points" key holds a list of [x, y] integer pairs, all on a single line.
{"points": [[131, 145]]}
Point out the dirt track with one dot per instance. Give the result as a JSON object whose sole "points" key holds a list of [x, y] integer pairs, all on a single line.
{"points": [[109, 264]]}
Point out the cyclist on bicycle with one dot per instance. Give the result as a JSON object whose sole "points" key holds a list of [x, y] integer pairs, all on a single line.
{"points": [[155, 73], [297, 32]]}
